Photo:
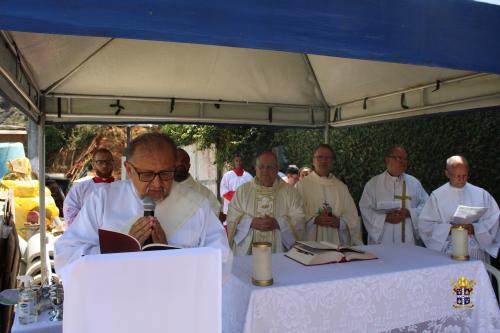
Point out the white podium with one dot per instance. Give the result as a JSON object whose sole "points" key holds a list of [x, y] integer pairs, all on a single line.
{"points": [[157, 291]]}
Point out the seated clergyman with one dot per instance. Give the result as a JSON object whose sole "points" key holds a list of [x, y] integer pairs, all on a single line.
{"points": [[182, 217], [265, 209], [437, 214]]}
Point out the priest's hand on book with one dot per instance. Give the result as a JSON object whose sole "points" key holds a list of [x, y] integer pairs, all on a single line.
{"points": [[143, 228], [327, 221], [265, 223]]}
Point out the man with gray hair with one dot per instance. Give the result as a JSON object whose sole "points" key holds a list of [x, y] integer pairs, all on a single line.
{"points": [[436, 218], [266, 209], [182, 217]]}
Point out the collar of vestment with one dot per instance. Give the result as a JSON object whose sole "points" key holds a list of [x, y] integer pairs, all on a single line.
{"points": [[278, 182], [189, 181], [176, 209], [238, 171], [394, 178], [330, 180], [98, 180], [457, 189]]}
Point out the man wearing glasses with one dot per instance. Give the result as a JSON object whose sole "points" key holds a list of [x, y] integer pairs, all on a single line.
{"points": [[331, 214], [182, 217], [392, 201], [437, 216], [102, 165]]}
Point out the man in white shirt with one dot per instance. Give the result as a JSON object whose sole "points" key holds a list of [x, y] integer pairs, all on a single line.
{"points": [[265, 209], [182, 217], [404, 195], [437, 215], [102, 164], [331, 214], [183, 176], [232, 180]]}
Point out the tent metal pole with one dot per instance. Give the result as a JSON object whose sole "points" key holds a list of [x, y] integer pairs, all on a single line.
{"points": [[177, 100], [327, 128], [45, 273], [421, 87], [375, 117]]}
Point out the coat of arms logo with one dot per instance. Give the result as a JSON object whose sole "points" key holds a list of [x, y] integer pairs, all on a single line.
{"points": [[463, 289]]}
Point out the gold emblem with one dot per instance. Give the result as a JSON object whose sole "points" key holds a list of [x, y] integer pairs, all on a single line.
{"points": [[463, 289]]}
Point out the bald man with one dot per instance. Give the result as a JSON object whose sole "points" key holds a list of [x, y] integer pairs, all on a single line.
{"points": [[395, 187], [437, 215], [266, 209], [182, 176]]}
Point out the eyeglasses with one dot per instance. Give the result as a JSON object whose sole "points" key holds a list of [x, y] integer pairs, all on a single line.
{"points": [[323, 158], [398, 158], [148, 176], [103, 162]]}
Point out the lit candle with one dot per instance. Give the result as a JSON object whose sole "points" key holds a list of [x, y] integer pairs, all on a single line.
{"points": [[460, 242], [262, 267]]}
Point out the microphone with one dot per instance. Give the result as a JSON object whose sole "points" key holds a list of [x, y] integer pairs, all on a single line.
{"points": [[149, 210]]}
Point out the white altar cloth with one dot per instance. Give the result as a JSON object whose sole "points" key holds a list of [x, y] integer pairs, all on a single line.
{"points": [[158, 291], [406, 286]]}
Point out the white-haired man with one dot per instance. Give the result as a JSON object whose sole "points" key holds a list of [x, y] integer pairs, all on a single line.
{"points": [[437, 214]]}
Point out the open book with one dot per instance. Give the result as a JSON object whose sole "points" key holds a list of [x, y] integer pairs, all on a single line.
{"points": [[466, 214], [116, 242], [317, 253]]}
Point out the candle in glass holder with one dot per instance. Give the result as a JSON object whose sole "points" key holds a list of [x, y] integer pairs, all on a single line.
{"points": [[262, 267], [460, 242]]}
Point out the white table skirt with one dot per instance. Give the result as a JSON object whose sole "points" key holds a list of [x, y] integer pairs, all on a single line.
{"points": [[43, 325], [407, 286]]}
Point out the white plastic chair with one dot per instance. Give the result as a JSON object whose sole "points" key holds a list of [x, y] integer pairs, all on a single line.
{"points": [[496, 273]]}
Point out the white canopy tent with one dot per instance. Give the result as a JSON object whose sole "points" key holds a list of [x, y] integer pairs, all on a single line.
{"points": [[306, 64]]}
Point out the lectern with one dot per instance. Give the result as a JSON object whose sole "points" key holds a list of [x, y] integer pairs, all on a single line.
{"points": [[157, 291]]}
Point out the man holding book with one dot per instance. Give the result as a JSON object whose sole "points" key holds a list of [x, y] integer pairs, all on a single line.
{"points": [[182, 217], [331, 214], [392, 201], [437, 216], [265, 209]]}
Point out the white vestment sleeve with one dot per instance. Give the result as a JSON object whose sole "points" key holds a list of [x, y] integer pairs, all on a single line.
{"points": [[415, 212], [374, 221], [287, 234], [214, 236], [432, 229], [242, 229], [81, 238], [486, 229], [71, 205]]}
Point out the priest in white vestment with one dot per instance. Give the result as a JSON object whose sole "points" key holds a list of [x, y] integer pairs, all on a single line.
{"points": [[183, 176], [102, 164], [266, 209], [232, 180], [437, 215], [182, 217], [392, 201], [331, 214]]}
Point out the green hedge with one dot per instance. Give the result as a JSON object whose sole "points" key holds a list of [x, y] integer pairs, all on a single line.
{"points": [[428, 140]]}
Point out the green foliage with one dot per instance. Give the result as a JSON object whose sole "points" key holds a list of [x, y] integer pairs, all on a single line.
{"points": [[429, 142], [56, 137]]}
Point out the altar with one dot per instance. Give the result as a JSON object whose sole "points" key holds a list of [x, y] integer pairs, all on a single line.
{"points": [[408, 288]]}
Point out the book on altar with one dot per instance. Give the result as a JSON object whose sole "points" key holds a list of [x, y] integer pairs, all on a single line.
{"points": [[311, 253], [116, 242], [466, 215], [388, 206]]}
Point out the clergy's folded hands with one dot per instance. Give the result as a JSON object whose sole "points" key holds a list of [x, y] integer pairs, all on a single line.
{"points": [[325, 220], [266, 223], [145, 227], [397, 216]]}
